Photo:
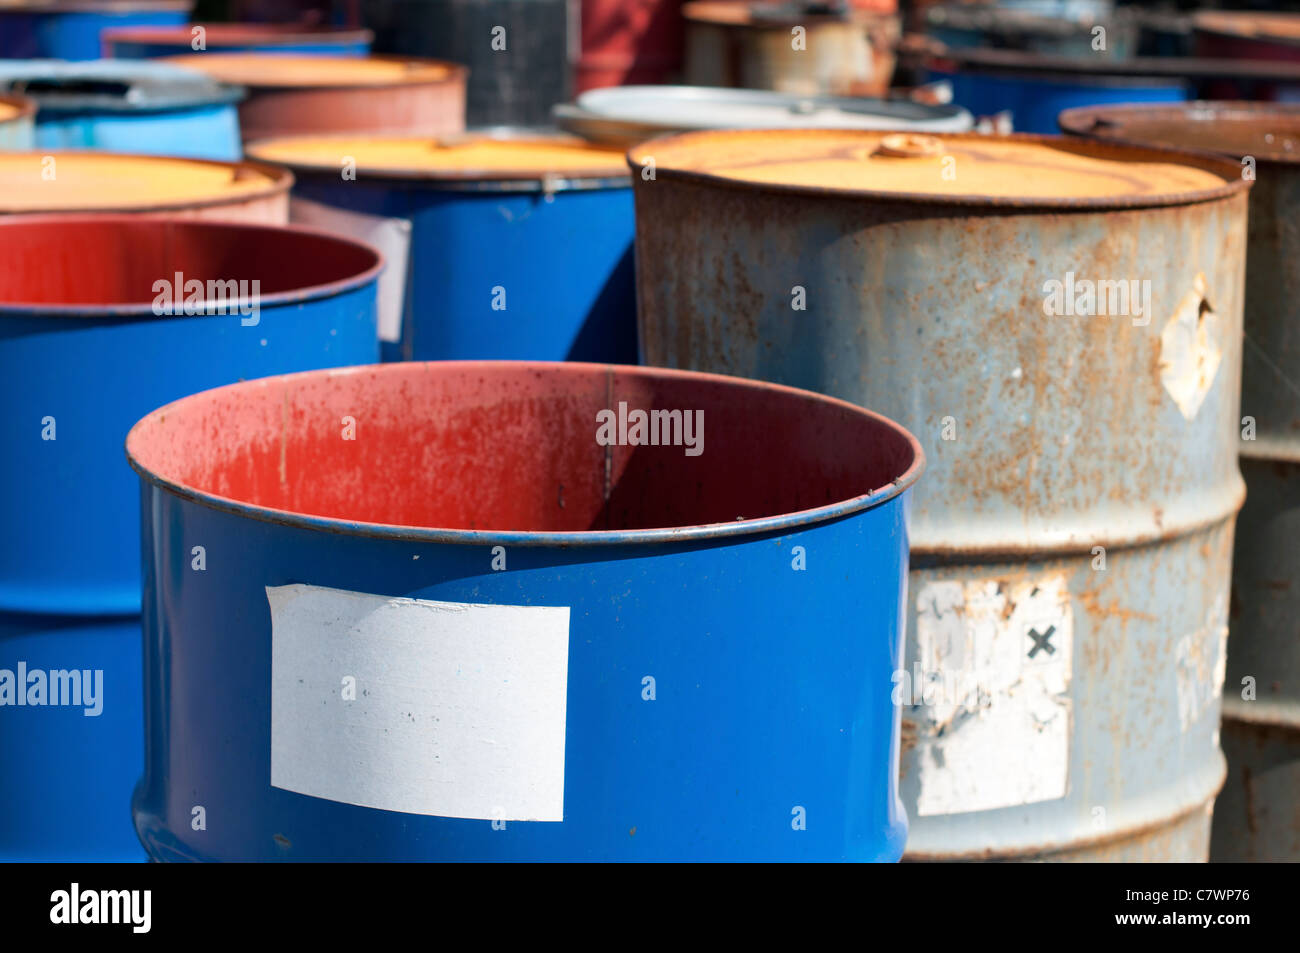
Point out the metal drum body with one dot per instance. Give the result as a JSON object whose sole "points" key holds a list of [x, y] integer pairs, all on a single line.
{"points": [[751, 45], [82, 360], [668, 624], [1063, 438], [17, 130], [71, 30], [1257, 818], [269, 38], [307, 95], [558, 247], [513, 86], [66, 790], [629, 41], [96, 328], [127, 107], [626, 115], [1036, 98]]}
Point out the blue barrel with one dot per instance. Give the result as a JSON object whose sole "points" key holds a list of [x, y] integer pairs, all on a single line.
{"points": [[71, 749], [17, 128], [135, 43], [89, 341], [482, 617], [143, 108], [509, 246], [70, 29], [1035, 99]]}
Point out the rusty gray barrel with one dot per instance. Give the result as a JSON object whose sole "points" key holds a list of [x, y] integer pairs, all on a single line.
{"points": [[1258, 814], [1059, 323]]}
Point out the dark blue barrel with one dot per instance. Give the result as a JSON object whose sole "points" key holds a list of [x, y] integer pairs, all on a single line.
{"points": [[92, 335], [70, 29], [115, 106], [1036, 88], [501, 246], [135, 43], [481, 616]]}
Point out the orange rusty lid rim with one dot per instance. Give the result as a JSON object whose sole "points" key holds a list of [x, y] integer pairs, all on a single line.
{"points": [[279, 181], [613, 172], [1111, 124], [24, 108], [443, 71], [1205, 161]]}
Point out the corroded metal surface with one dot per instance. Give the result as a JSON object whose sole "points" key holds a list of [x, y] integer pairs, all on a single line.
{"points": [[1071, 543], [751, 45], [1257, 818]]}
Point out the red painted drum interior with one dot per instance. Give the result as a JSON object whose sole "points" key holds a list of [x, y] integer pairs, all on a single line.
{"points": [[510, 446], [114, 262]]}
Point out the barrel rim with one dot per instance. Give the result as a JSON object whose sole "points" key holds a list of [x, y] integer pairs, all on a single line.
{"points": [[279, 181], [1208, 162], [1237, 25], [26, 107], [568, 539], [268, 35], [455, 73], [1079, 120], [780, 16], [462, 180], [144, 310]]}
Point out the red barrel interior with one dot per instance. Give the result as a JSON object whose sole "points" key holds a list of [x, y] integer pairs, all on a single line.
{"points": [[512, 447], [114, 262]]}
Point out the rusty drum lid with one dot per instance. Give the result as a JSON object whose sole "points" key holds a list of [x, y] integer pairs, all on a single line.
{"points": [[1264, 130], [283, 71], [1029, 171]]}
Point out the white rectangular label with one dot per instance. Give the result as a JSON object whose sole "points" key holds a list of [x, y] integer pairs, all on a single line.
{"points": [[392, 236], [438, 708], [996, 659]]}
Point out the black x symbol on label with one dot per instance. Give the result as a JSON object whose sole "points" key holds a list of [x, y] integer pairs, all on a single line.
{"points": [[1041, 641]]}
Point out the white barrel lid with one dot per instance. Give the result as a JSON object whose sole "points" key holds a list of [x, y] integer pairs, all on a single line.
{"points": [[634, 113]]}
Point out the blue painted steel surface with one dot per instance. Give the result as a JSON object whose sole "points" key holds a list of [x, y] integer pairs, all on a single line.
{"points": [[65, 789], [139, 108], [563, 258], [773, 686], [73, 33], [125, 49], [70, 544], [1035, 101]]}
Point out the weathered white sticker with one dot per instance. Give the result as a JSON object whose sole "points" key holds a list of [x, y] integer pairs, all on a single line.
{"points": [[993, 729], [392, 236], [1202, 659], [1189, 350], [438, 708]]}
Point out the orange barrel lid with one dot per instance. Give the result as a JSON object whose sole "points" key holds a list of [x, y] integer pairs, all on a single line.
{"points": [[1283, 27], [462, 157], [966, 168], [257, 70], [1263, 130], [104, 181]]}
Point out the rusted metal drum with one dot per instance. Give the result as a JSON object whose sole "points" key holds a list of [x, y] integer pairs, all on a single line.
{"points": [[1065, 29], [1248, 37], [1071, 546], [102, 319], [110, 183], [134, 107], [308, 95], [628, 588], [626, 115], [17, 128], [70, 29], [502, 246], [1256, 817], [790, 47], [135, 43]]}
